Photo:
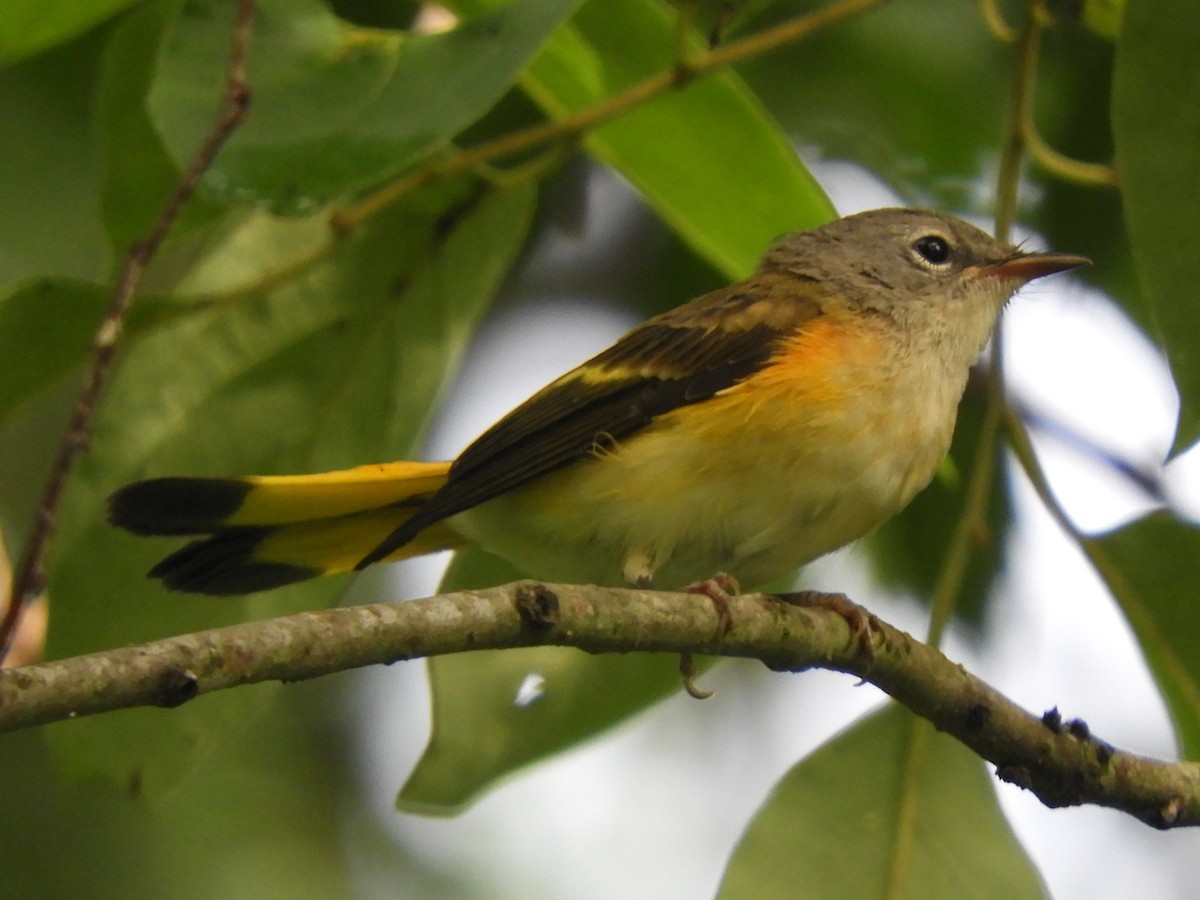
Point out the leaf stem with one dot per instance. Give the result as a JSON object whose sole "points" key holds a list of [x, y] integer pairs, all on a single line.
{"points": [[996, 22], [1077, 171], [916, 751], [973, 521], [1024, 135]]}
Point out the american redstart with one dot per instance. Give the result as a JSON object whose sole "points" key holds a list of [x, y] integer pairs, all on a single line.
{"points": [[748, 431]]}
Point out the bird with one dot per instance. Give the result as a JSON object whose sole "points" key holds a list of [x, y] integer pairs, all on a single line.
{"points": [[748, 431]]}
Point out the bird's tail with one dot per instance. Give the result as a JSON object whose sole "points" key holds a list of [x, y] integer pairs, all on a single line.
{"points": [[262, 532]]}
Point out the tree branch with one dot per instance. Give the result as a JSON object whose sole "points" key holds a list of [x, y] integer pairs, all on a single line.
{"points": [[1059, 761]]}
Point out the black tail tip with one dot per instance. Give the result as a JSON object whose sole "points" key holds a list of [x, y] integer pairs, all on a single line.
{"points": [[224, 565], [175, 505]]}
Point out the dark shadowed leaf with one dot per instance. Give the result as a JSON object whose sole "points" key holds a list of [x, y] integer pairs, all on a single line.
{"points": [[50, 170], [31, 26], [264, 803], [1155, 567], [1157, 131], [920, 120]]}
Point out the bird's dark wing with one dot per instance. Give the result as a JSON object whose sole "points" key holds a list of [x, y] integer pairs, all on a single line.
{"points": [[680, 357]]}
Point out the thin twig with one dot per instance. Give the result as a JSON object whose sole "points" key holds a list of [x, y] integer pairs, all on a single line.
{"points": [[1065, 167], [1025, 132], [971, 521], [29, 576], [1013, 152], [1061, 763]]}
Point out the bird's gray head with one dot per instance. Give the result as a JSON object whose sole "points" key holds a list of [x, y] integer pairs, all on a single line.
{"points": [[890, 256]]}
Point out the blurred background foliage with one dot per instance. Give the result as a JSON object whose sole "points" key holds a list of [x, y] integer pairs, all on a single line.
{"points": [[267, 342]]}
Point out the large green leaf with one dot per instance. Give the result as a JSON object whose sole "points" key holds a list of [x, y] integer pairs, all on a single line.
{"points": [[482, 732], [709, 158], [333, 368], [1154, 564], [139, 173], [46, 328], [31, 26], [891, 809], [46, 331], [49, 167], [336, 107], [1156, 124], [261, 818]]}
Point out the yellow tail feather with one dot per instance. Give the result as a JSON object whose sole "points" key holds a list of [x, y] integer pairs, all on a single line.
{"points": [[262, 532], [274, 499], [337, 545]]}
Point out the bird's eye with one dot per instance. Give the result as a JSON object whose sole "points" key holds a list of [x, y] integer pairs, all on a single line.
{"points": [[933, 249]]}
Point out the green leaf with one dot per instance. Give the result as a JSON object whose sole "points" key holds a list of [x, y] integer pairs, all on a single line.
{"points": [[890, 808], [332, 368], [336, 107], [1104, 16], [1153, 576], [49, 167], [46, 329], [481, 733], [267, 805], [31, 26], [139, 173], [709, 158], [1157, 133]]}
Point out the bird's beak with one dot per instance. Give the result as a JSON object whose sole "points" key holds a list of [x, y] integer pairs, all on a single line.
{"points": [[1028, 266]]}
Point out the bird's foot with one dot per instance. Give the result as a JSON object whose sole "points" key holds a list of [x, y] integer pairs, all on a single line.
{"points": [[720, 589], [861, 623], [687, 673]]}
